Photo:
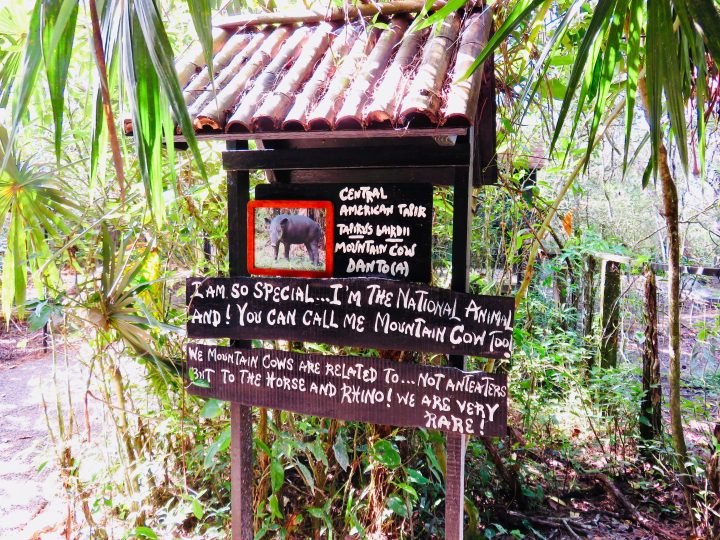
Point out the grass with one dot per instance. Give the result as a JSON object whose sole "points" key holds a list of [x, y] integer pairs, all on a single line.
{"points": [[299, 257]]}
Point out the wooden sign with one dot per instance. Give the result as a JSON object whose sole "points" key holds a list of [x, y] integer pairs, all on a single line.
{"points": [[359, 312], [353, 388], [380, 230]]}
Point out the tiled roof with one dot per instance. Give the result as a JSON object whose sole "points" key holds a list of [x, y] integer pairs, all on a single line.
{"points": [[334, 76]]}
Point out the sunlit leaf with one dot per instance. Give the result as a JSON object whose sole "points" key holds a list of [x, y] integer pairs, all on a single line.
{"points": [[58, 34]]}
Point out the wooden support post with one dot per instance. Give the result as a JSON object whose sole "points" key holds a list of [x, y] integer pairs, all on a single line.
{"points": [[651, 403], [241, 448], [588, 294], [460, 280], [610, 314]]}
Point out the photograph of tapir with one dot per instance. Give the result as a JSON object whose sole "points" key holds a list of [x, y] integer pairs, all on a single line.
{"points": [[290, 238], [289, 229]]}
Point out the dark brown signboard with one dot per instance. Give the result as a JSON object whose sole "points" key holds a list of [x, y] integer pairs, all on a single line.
{"points": [[357, 312], [380, 230], [353, 388]]}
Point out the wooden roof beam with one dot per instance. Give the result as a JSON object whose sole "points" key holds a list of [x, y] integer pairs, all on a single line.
{"points": [[332, 14]]}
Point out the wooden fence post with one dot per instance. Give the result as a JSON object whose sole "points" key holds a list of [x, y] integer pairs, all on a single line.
{"points": [[650, 405], [588, 294], [610, 314]]}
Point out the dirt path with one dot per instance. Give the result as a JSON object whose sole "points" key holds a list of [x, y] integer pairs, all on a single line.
{"points": [[31, 502]]}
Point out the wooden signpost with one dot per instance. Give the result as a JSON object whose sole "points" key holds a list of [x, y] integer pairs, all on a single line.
{"points": [[376, 253]]}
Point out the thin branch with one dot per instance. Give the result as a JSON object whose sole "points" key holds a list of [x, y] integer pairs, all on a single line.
{"points": [[105, 91]]}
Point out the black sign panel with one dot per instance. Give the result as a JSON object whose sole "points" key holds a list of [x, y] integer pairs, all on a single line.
{"points": [[353, 388], [380, 230], [359, 312]]}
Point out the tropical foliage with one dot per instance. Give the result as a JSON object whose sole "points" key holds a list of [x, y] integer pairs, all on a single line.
{"points": [[101, 230]]}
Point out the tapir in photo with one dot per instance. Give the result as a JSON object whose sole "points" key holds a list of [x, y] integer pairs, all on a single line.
{"points": [[291, 229]]}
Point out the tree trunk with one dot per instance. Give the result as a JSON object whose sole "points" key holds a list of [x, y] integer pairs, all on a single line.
{"points": [[670, 210], [650, 408], [670, 213]]}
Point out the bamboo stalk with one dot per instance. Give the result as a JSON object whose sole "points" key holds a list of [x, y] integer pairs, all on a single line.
{"points": [[350, 115], [229, 51], [383, 107], [277, 104], [193, 60], [213, 115], [241, 120], [463, 97], [228, 72], [424, 95], [333, 14], [296, 119], [323, 115]]}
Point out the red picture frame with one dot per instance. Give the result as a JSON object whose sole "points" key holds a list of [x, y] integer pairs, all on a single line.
{"points": [[257, 262]]}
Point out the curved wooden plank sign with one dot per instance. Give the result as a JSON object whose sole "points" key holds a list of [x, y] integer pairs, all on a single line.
{"points": [[356, 312], [353, 388]]}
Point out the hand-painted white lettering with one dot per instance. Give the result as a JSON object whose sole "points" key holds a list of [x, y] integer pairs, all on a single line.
{"points": [[379, 296], [322, 319], [412, 210], [362, 247], [458, 336], [417, 328], [364, 229], [354, 321], [392, 230], [365, 193], [362, 210]]}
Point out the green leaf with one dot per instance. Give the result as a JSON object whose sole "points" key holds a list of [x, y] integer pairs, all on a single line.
{"points": [[632, 55], [40, 316], [275, 506], [31, 63], [674, 64], [646, 174], [212, 408], [417, 477], [541, 65], [58, 33], [307, 475], [197, 509], [607, 71], [653, 75], [397, 505], [277, 475], [162, 59], [145, 532], [341, 453], [599, 19], [317, 513], [518, 14], [110, 27], [201, 13], [144, 93], [705, 14], [197, 381], [441, 14], [220, 445], [386, 454]]}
